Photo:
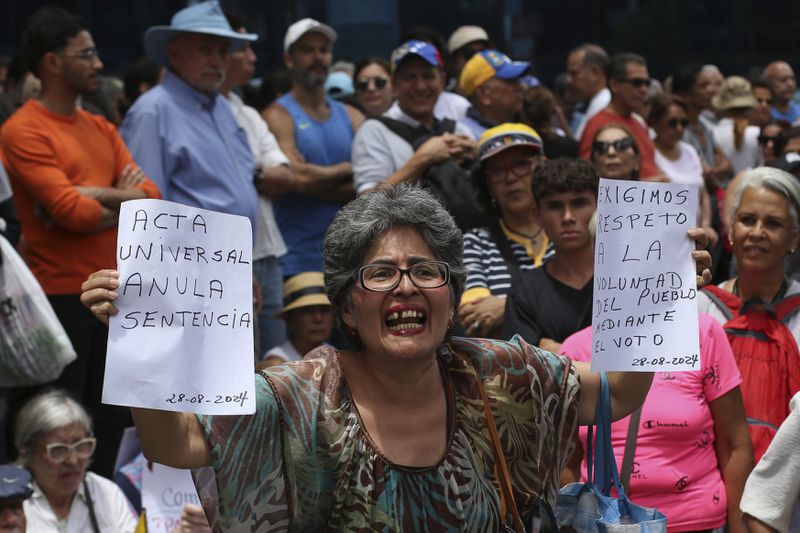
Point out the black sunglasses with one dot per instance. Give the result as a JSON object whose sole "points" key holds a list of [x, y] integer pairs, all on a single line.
{"points": [[639, 82], [362, 84], [620, 145], [674, 122], [764, 139]]}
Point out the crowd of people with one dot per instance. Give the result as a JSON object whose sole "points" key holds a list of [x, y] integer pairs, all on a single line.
{"points": [[423, 229]]}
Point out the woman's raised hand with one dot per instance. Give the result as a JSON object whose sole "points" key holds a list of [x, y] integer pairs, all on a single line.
{"points": [[99, 292]]}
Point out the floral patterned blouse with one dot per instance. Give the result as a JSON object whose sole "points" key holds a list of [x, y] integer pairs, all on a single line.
{"points": [[305, 462]]}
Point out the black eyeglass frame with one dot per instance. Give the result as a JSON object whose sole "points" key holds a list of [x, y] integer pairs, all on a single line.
{"points": [[406, 272]]}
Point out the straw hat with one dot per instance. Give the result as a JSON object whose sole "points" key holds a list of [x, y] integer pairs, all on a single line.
{"points": [[303, 290]]}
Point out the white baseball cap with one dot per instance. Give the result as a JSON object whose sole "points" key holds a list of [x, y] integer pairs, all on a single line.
{"points": [[465, 35], [307, 25]]}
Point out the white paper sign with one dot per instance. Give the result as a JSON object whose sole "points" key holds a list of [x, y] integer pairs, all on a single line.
{"points": [[183, 338], [645, 314], [165, 491]]}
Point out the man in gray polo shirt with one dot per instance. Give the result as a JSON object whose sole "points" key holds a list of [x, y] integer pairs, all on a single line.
{"points": [[382, 156]]}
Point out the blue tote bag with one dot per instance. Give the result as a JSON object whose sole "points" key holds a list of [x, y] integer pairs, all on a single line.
{"points": [[589, 507]]}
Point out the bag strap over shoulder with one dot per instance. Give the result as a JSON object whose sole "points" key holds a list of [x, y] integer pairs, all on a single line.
{"points": [[90, 505], [409, 133], [507, 502]]}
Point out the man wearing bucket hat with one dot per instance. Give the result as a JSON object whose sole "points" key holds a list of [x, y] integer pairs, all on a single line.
{"points": [[316, 133], [15, 488], [492, 83], [182, 132], [733, 134], [308, 316], [381, 153]]}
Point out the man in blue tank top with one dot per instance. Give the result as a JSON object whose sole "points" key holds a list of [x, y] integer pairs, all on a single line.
{"points": [[315, 132]]}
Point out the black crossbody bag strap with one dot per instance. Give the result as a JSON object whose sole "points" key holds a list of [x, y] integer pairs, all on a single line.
{"points": [[90, 505]]}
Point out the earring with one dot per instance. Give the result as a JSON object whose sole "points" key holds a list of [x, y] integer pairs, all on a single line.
{"points": [[494, 202], [351, 331]]}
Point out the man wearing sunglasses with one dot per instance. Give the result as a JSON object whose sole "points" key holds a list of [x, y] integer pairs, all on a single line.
{"points": [[628, 80], [70, 172]]}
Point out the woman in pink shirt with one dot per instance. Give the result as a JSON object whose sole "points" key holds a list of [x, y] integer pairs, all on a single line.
{"points": [[693, 452]]}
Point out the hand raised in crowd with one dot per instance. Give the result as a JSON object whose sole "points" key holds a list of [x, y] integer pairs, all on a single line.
{"points": [[193, 520], [482, 315], [701, 256], [130, 178], [99, 292]]}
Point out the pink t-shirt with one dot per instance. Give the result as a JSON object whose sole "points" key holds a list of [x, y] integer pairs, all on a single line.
{"points": [[675, 467]]}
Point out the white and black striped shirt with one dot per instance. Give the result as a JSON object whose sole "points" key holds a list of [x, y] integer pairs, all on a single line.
{"points": [[487, 271]]}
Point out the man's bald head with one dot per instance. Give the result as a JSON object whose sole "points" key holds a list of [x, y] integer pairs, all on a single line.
{"points": [[780, 77]]}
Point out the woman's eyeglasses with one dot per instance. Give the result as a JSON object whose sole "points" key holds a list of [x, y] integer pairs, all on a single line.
{"points": [[425, 275], [620, 145], [362, 84], [674, 123], [59, 451], [518, 169]]}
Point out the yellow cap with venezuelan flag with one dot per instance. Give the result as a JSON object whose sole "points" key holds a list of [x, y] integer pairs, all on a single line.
{"points": [[495, 140]]}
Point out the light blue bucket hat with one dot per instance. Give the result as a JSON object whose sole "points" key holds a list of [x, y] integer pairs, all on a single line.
{"points": [[206, 18]]}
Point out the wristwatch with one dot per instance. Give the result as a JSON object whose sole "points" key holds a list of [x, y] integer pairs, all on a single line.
{"points": [[257, 177]]}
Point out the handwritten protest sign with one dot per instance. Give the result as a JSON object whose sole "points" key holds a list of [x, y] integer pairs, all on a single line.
{"points": [[183, 338], [165, 491], [645, 314]]}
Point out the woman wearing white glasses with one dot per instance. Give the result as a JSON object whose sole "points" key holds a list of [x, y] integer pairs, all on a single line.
{"points": [[54, 437]]}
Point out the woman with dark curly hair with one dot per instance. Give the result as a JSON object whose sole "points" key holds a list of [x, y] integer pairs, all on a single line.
{"points": [[494, 255]]}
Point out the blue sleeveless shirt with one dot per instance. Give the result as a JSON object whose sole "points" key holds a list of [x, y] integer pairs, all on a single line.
{"points": [[303, 219]]}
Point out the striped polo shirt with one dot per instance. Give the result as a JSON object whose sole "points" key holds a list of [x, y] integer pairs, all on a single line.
{"points": [[487, 272]]}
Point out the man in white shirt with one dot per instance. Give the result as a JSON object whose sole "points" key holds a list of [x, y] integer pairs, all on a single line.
{"points": [[272, 176], [381, 155], [586, 75]]}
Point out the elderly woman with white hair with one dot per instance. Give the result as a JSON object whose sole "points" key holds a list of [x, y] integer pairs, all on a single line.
{"points": [[763, 233], [54, 437]]}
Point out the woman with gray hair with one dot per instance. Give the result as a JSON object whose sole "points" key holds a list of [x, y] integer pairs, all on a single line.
{"points": [[54, 437], [763, 233], [393, 434]]}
